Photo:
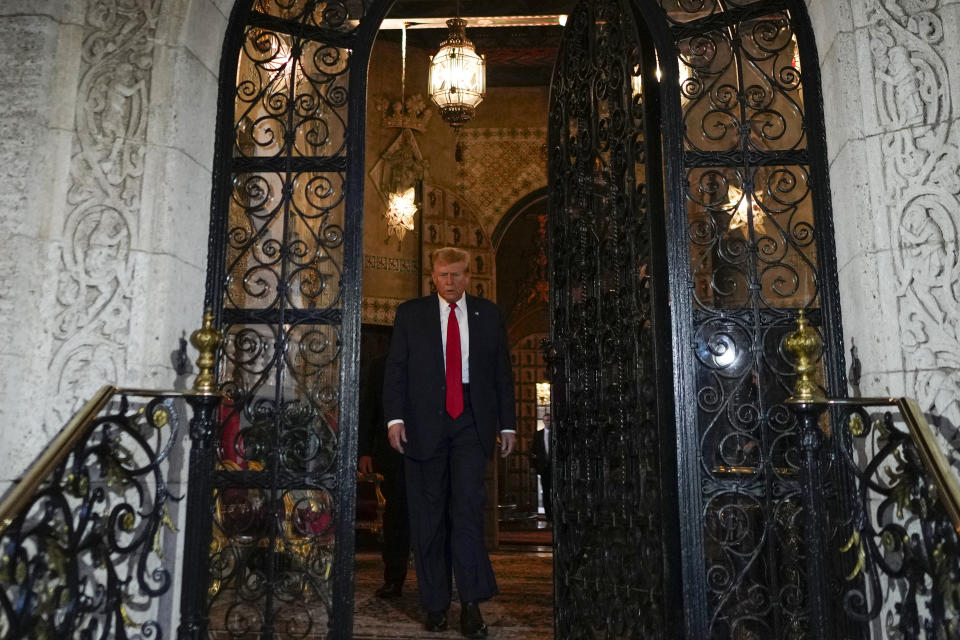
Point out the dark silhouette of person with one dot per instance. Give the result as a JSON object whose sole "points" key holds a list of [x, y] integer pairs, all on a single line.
{"points": [[376, 455], [543, 465]]}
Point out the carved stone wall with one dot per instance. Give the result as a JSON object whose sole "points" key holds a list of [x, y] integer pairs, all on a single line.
{"points": [[893, 141], [92, 316], [105, 201]]}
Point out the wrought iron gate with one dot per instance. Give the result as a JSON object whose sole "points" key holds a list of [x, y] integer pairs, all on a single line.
{"points": [[615, 525], [735, 103], [753, 231], [675, 455], [272, 546]]}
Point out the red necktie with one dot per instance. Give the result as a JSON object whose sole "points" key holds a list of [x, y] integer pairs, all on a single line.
{"points": [[454, 398]]}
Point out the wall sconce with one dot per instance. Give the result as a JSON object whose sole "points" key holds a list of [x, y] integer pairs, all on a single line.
{"points": [[401, 211], [399, 171]]}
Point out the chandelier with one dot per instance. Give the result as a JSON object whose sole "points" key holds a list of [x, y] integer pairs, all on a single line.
{"points": [[457, 81]]}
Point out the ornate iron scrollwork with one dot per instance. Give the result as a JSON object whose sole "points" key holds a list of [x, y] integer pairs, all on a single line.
{"points": [[84, 557], [901, 557], [760, 249], [609, 522], [279, 466]]}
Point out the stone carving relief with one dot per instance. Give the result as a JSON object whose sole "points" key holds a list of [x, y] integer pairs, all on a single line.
{"points": [[103, 201], [921, 175]]}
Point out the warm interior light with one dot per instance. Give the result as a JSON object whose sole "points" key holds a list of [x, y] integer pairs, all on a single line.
{"points": [[636, 83], [543, 393], [457, 80], [736, 200], [401, 209]]}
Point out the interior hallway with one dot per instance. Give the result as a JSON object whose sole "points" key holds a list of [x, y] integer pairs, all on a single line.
{"points": [[523, 610]]}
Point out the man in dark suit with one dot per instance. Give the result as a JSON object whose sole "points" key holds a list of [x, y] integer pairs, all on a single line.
{"points": [[448, 390], [376, 455], [540, 457]]}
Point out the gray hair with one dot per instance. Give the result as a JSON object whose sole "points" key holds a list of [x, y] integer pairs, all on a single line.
{"points": [[449, 255]]}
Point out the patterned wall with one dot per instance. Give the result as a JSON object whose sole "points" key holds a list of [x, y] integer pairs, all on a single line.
{"points": [[500, 166], [94, 293], [918, 190]]}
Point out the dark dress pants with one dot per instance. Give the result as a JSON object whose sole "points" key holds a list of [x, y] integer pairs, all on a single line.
{"points": [[396, 533], [446, 496]]}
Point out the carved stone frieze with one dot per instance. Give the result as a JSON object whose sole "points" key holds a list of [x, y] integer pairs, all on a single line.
{"points": [[921, 178], [94, 296]]}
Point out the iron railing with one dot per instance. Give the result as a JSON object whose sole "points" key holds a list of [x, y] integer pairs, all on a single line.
{"points": [[883, 514], [86, 534], [81, 534]]}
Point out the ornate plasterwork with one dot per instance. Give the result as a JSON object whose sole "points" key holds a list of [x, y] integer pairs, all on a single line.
{"points": [[499, 167], [393, 265], [921, 178], [94, 287], [379, 310]]}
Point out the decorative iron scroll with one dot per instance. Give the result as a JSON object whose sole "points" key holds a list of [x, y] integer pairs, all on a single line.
{"points": [[610, 565], [760, 248], [901, 552], [278, 279], [85, 557], [341, 15]]}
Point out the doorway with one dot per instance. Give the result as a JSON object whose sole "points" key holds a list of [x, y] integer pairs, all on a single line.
{"points": [[467, 183], [643, 396]]}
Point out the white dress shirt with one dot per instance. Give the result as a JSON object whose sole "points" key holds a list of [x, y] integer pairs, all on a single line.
{"points": [[464, 325]]}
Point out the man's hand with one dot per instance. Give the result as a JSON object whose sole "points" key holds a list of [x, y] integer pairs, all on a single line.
{"points": [[507, 442], [365, 464], [397, 435]]}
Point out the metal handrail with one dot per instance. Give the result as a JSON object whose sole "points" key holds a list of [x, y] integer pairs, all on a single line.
{"points": [[805, 345], [79, 426], [948, 489], [205, 340]]}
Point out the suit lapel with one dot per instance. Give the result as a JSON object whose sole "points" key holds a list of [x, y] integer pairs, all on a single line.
{"points": [[473, 322], [431, 319]]}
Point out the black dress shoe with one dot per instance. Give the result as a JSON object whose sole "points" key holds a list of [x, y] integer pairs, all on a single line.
{"points": [[436, 621], [390, 590], [471, 622]]}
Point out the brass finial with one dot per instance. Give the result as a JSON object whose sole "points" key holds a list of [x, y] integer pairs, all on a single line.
{"points": [[805, 345], [206, 340]]}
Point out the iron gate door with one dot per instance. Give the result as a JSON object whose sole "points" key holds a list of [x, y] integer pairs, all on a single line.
{"points": [[615, 527], [271, 541]]}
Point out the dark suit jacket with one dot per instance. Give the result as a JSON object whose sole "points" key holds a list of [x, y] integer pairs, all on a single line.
{"points": [[372, 433], [414, 386], [539, 458]]}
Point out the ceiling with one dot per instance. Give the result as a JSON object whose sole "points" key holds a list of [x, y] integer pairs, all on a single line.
{"points": [[516, 56]]}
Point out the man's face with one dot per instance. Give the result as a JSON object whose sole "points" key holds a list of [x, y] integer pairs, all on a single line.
{"points": [[451, 280]]}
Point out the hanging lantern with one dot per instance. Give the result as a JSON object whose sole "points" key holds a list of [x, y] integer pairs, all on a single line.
{"points": [[457, 80]]}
